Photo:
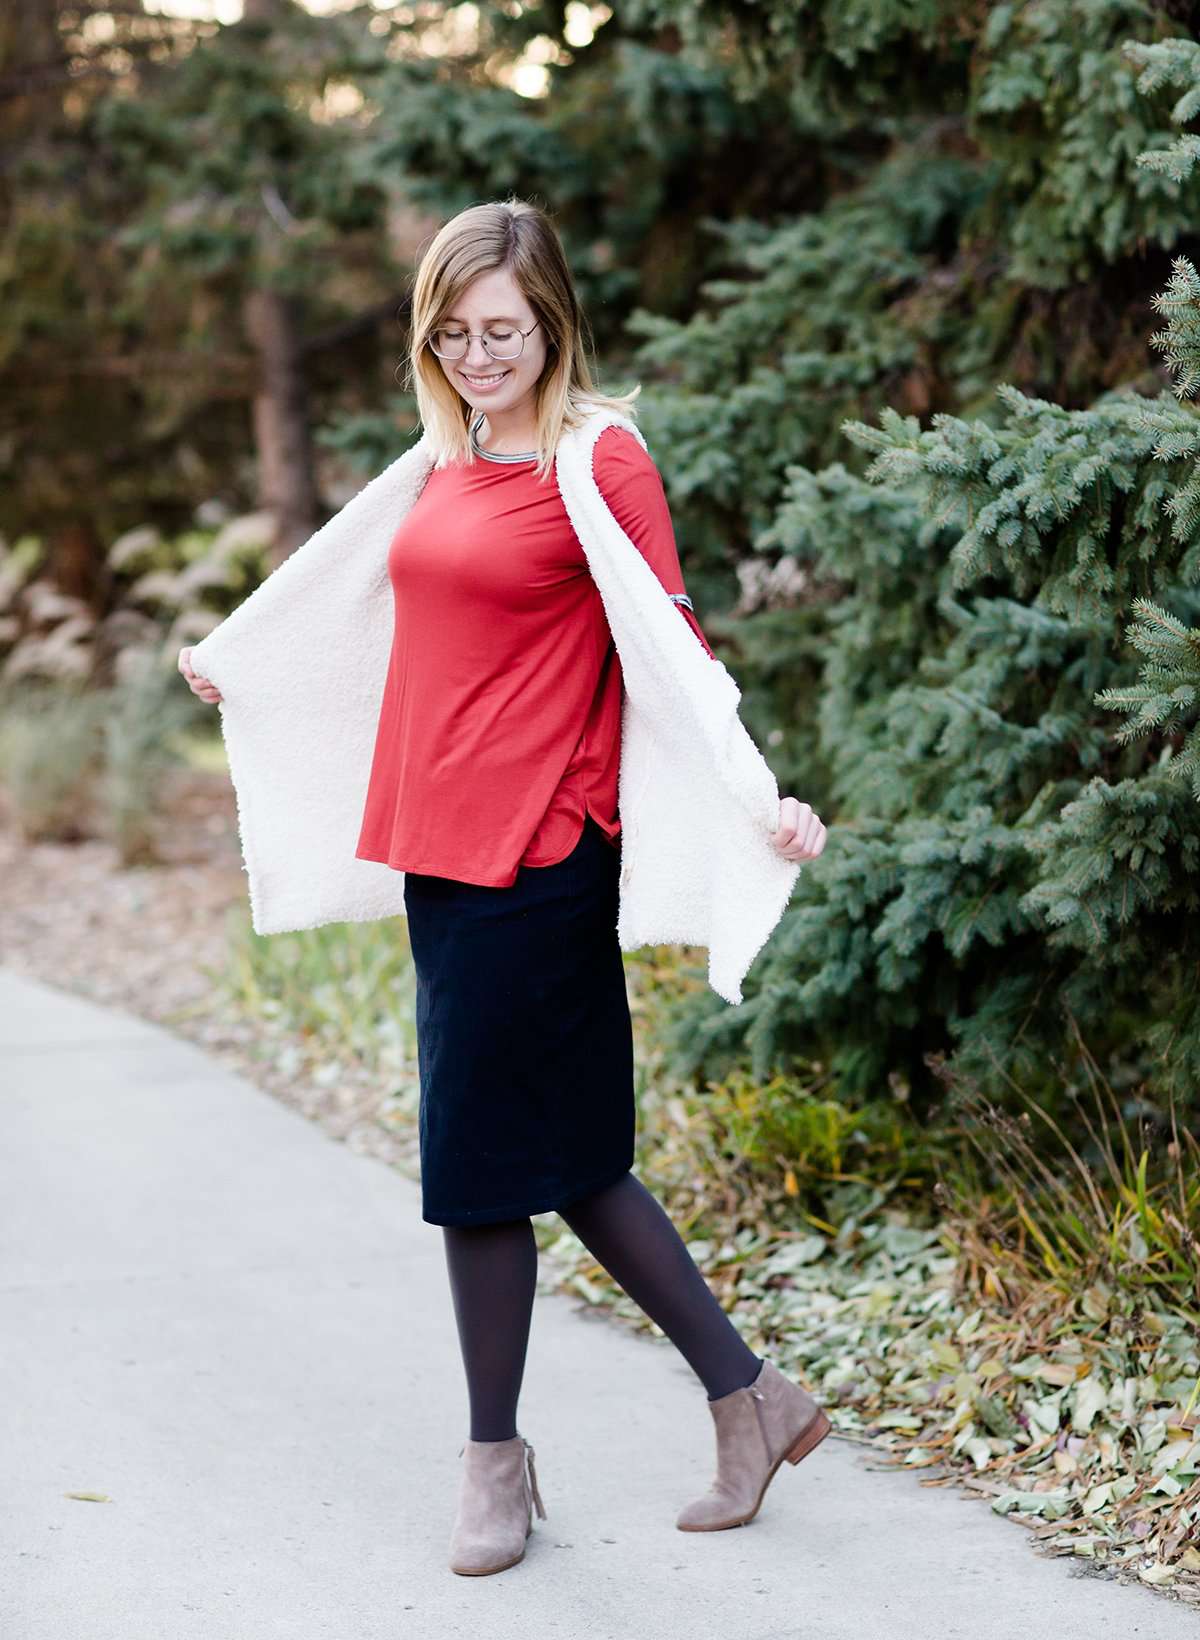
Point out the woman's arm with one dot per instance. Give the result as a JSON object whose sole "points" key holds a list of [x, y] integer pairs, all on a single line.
{"points": [[632, 487]]}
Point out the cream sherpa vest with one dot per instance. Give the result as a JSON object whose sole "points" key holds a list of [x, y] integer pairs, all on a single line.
{"points": [[301, 666]]}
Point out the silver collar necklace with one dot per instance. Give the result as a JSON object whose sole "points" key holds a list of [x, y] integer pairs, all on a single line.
{"points": [[491, 455]]}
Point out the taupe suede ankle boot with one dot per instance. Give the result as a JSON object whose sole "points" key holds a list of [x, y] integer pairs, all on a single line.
{"points": [[495, 1506], [757, 1428]]}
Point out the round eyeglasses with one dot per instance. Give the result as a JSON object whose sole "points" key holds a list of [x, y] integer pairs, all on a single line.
{"points": [[499, 341]]}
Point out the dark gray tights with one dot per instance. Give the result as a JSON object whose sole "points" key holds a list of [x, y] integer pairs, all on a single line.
{"points": [[493, 1278]]}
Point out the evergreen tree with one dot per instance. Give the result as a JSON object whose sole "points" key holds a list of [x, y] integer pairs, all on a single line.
{"points": [[1009, 875], [75, 454]]}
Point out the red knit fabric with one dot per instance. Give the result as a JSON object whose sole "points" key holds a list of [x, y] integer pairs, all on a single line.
{"points": [[500, 726]]}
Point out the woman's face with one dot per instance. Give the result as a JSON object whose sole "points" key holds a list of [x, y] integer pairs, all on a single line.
{"points": [[494, 302]]}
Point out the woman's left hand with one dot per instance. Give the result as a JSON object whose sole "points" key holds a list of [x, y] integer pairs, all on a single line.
{"points": [[800, 836]]}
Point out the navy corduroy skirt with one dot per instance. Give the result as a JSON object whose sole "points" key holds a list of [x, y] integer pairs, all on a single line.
{"points": [[524, 1040]]}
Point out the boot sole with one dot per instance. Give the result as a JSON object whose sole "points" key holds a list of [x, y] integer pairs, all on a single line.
{"points": [[813, 1433], [486, 1571]]}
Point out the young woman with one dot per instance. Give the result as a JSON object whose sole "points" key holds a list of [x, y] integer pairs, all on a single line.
{"points": [[494, 789]]}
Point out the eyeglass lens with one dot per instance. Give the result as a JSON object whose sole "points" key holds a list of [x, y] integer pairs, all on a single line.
{"points": [[501, 344]]}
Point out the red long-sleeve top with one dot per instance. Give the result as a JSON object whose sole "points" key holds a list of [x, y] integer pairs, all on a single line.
{"points": [[500, 725]]}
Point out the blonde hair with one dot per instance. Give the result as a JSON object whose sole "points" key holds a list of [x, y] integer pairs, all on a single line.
{"points": [[520, 238]]}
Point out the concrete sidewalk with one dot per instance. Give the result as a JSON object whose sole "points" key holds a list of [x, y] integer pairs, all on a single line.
{"points": [[241, 1333]]}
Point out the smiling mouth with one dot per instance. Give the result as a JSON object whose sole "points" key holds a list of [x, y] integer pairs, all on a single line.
{"points": [[485, 381]]}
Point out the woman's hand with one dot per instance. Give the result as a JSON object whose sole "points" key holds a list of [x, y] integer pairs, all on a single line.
{"points": [[800, 836], [198, 685]]}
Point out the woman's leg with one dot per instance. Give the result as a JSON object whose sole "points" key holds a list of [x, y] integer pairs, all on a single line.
{"points": [[493, 1279], [629, 1233]]}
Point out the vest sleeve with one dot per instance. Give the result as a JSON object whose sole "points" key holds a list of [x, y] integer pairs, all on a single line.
{"points": [[632, 488]]}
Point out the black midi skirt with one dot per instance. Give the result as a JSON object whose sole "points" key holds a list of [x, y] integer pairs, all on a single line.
{"points": [[524, 1040]]}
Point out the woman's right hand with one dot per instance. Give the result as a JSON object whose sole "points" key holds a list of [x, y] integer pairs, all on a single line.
{"points": [[198, 685]]}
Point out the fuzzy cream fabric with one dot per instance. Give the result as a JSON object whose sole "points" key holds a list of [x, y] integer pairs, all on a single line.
{"points": [[301, 666]]}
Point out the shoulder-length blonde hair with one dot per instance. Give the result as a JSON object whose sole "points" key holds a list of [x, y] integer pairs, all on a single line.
{"points": [[519, 237]]}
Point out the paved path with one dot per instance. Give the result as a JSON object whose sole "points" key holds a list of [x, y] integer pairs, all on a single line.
{"points": [[241, 1332]]}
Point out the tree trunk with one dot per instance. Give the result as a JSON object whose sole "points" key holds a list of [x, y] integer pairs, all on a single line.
{"points": [[286, 483], [75, 561]]}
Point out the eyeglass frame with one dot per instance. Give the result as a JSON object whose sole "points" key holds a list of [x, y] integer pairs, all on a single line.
{"points": [[471, 336]]}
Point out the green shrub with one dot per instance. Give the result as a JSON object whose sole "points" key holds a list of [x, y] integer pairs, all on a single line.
{"points": [[346, 990], [144, 715], [1109, 1206], [51, 752]]}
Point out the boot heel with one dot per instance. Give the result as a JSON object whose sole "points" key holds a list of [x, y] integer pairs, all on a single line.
{"points": [[813, 1434]]}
